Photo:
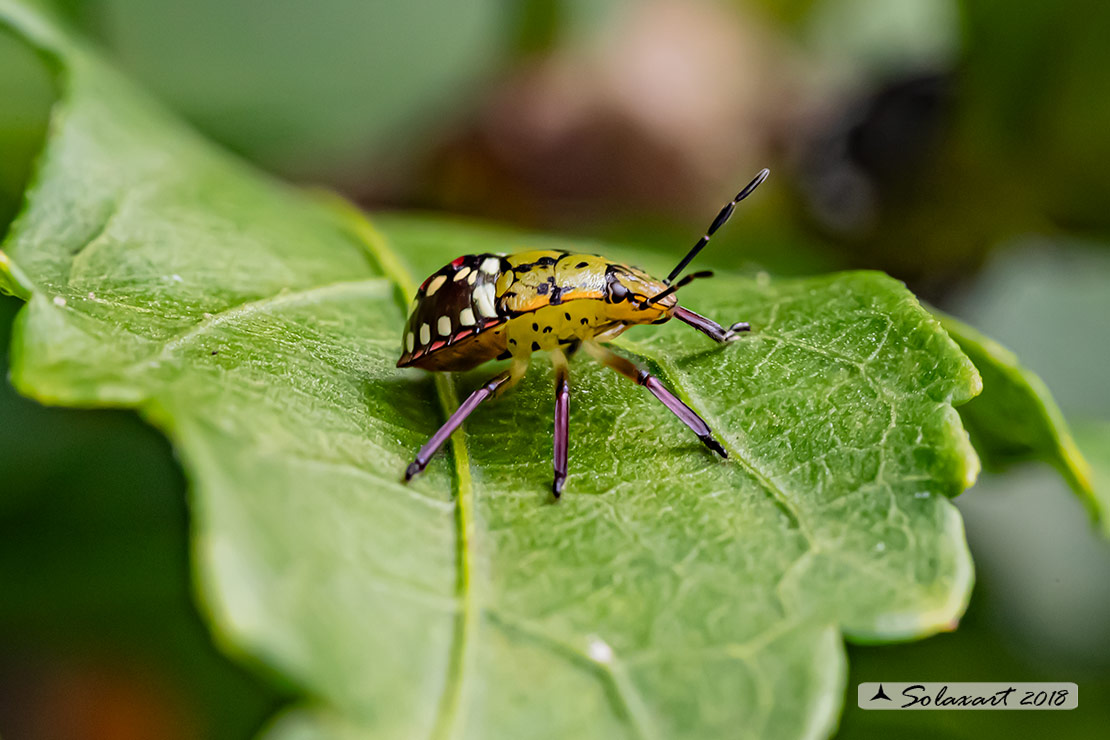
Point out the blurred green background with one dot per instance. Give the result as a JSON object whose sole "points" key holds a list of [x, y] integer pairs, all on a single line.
{"points": [[960, 146]]}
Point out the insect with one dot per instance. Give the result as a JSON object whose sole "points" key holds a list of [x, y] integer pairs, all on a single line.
{"points": [[482, 307]]}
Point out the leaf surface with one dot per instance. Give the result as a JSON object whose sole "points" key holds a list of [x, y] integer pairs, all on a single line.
{"points": [[669, 595]]}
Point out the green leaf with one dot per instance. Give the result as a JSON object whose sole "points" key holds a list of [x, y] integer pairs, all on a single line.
{"points": [[1015, 419], [669, 595], [1095, 438]]}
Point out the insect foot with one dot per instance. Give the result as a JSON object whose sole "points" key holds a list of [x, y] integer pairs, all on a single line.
{"points": [[734, 331], [711, 442], [557, 485], [413, 469]]}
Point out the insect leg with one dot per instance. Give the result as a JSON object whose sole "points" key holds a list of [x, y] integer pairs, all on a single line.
{"points": [[495, 385], [516, 371], [562, 421], [709, 327], [688, 416]]}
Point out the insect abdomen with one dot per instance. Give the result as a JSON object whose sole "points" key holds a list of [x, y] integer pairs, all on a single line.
{"points": [[454, 323]]}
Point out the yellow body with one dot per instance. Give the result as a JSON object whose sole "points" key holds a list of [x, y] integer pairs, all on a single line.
{"points": [[582, 311], [493, 306]]}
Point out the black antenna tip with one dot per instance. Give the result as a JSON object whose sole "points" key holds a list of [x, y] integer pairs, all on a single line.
{"points": [[718, 222], [755, 183]]}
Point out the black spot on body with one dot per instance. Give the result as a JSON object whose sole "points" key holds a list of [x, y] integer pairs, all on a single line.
{"points": [[535, 346], [547, 330], [567, 315], [512, 342], [535, 326], [580, 265], [585, 321], [542, 288], [541, 262]]}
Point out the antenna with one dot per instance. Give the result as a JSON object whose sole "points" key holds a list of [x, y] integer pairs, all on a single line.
{"points": [[718, 222]]}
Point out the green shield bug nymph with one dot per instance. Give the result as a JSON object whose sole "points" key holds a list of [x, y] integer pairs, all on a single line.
{"points": [[490, 306]]}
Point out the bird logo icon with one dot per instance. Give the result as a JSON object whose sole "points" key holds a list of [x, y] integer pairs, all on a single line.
{"points": [[880, 694]]}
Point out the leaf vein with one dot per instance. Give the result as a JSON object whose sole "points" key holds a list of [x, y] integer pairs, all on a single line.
{"points": [[610, 671], [449, 716], [312, 295], [778, 494]]}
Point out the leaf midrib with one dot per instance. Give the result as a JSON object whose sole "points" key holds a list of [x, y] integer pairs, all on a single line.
{"points": [[448, 716]]}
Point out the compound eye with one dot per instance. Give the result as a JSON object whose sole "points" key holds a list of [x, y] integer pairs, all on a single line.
{"points": [[617, 291]]}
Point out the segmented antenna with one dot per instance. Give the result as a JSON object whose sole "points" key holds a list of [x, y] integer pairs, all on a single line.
{"points": [[718, 222]]}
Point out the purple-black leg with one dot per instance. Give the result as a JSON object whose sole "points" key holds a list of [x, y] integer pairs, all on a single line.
{"points": [[444, 433], [688, 416], [562, 421], [709, 327]]}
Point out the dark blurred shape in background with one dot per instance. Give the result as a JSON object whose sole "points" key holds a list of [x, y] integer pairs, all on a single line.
{"points": [[959, 145], [660, 113], [862, 170]]}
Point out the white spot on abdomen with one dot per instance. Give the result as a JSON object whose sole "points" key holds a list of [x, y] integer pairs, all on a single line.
{"points": [[425, 333], [444, 326], [466, 317], [461, 274], [436, 284], [410, 342], [491, 265]]}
